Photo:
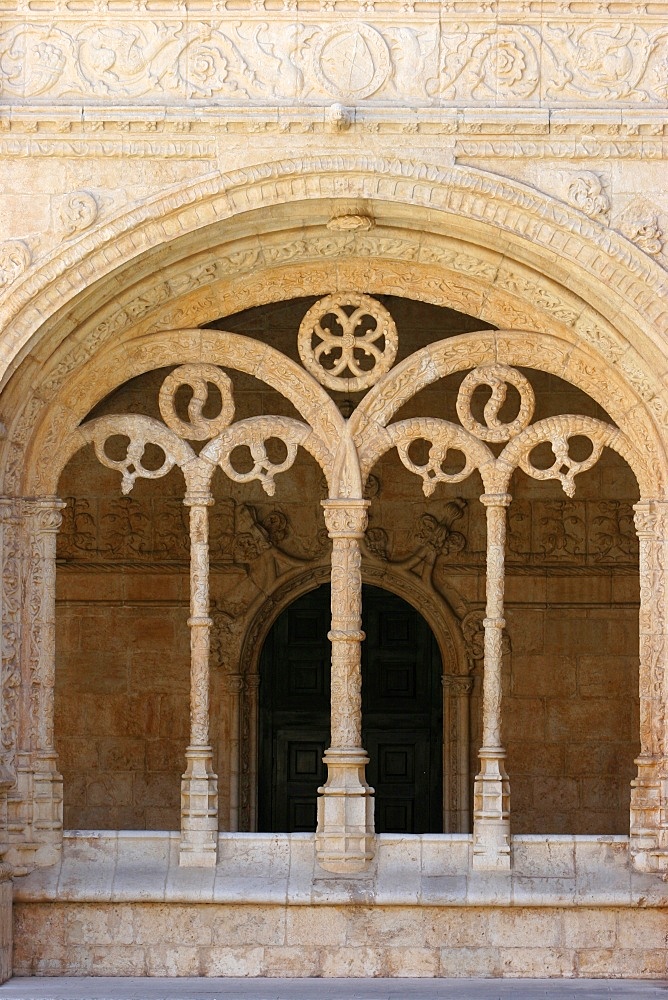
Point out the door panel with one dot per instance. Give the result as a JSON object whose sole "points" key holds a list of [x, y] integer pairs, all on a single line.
{"points": [[401, 706]]}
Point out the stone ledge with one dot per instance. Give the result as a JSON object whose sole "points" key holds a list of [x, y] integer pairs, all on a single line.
{"points": [[271, 869]]}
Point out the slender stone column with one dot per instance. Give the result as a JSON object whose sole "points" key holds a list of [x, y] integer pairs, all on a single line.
{"points": [[42, 519], [233, 685], [649, 790], [345, 834], [456, 768], [199, 786], [491, 797]]}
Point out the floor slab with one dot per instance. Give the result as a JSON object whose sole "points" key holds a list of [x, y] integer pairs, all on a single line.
{"points": [[103, 988]]}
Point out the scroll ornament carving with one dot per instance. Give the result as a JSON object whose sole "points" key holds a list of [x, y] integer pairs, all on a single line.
{"points": [[585, 191], [445, 438], [15, 258], [474, 635], [77, 212], [336, 330], [645, 232]]}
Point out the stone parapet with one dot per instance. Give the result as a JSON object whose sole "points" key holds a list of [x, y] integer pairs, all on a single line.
{"points": [[269, 868], [120, 905]]}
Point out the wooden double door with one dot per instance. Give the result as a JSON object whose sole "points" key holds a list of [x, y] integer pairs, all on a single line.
{"points": [[401, 714]]}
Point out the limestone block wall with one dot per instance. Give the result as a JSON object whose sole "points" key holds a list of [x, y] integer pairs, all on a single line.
{"points": [[570, 907]]}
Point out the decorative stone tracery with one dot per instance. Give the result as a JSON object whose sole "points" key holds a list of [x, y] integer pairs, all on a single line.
{"points": [[347, 450]]}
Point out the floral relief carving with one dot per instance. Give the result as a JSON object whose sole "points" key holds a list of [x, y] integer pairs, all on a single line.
{"points": [[561, 529], [585, 191], [643, 230], [271, 57], [15, 258], [77, 211], [614, 534]]}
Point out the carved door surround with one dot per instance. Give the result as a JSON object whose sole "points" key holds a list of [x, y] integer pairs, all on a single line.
{"points": [[347, 451]]}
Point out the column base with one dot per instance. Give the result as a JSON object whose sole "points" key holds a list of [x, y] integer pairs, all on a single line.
{"points": [[345, 837], [199, 810], [33, 815], [491, 813], [649, 816]]}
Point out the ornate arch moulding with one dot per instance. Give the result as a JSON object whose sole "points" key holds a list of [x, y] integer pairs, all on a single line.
{"points": [[596, 260], [345, 813]]}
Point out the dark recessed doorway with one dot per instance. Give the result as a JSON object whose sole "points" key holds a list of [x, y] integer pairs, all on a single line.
{"points": [[401, 710]]}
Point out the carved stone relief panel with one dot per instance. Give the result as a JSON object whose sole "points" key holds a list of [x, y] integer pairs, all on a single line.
{"points": [[272, 59]]}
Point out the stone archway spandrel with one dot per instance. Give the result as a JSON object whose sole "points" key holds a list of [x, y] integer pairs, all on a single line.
{"points": [[467, 193]]}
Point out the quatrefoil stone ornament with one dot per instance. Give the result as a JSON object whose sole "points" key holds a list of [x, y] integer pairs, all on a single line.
{"points": [[347, 341]]}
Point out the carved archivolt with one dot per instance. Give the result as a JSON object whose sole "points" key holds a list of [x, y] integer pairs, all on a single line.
{"points": [[34, 303]]}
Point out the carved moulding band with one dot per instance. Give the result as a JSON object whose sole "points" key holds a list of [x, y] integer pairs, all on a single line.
{"points": [[346, 349]]}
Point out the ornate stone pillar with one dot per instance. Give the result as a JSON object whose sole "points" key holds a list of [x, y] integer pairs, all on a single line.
{"points": [[649, 791], [345, 833], [491, 805], [456, 728], [12, 805], [37, 771], [199, 786]]}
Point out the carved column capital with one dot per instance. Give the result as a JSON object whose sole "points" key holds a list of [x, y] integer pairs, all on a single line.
{"points": [[651, 518], [346, 518], [234, 683], [457, 684], [44, 514]]}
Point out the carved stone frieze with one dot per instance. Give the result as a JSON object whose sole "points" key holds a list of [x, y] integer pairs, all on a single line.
{"points": [[269, 57]]}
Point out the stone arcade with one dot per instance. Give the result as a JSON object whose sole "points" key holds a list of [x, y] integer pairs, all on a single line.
{"points": [[334, 482]]}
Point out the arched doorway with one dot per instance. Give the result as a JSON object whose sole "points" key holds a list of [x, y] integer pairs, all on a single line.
{"points": [[401, 711]]}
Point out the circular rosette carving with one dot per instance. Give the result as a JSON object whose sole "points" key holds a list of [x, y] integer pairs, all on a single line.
{"points": [[497, 377], [351, 61], [256, 435], [347, 341], [452, 454], [199, 377], [140, 433], [560, 434]]}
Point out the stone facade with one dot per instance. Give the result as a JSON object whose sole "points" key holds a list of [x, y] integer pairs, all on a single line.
{"points": [[188, 194]]}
